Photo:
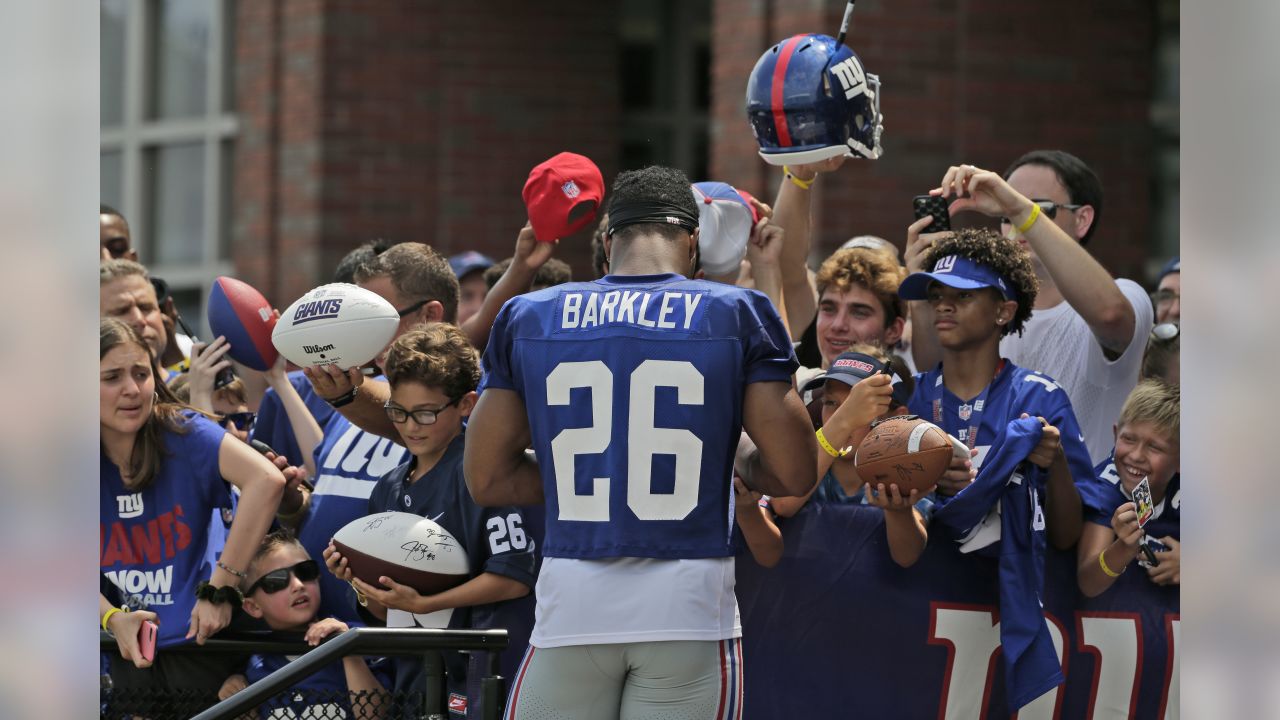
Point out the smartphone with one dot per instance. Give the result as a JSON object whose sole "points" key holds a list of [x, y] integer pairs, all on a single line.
{"points": [[147, 640], [936, 206], [262, 447], [225, 376]]}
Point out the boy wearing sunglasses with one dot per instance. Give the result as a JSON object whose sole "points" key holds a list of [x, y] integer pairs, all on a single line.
{"points": [[433, 372], [282, 589]]}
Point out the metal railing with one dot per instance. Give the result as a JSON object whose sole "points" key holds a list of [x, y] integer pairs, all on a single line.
{"points": [[423, 642]]}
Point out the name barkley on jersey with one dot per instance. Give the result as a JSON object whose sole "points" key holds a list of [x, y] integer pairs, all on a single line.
{"points": [[666, 310], [152, 542]]}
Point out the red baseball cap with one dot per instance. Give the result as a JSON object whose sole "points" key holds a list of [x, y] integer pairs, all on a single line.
{"points": [[563, 196]]}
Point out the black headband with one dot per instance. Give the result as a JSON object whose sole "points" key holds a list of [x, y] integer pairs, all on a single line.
{"points": [[651, 211]]}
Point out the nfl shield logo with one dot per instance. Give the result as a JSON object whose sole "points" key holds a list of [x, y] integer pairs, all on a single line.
{"points": [[570, 189], [966, 411]]}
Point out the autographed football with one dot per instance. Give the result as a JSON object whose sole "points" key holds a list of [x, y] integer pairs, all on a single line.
{"points": [[407, 548], [905, 450], [337, 324]]}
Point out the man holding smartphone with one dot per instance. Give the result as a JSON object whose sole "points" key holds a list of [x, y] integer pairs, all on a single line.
{"points": [[1087, 330]]}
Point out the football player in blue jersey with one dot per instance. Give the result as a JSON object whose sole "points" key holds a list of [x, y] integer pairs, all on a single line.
{"points": [[1147, 446], [633, 391], [981, 288]]}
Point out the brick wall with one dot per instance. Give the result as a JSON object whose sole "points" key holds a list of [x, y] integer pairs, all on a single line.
{"points": [[977, 81], [409, 122]]}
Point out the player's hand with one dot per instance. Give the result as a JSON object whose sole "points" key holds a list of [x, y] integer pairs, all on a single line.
{"points": [[919, 243], [397, 596], [207, 619], [125, 626], [959, 474], [530, 255], [322, 629], [1169, 571], [745, 497], [809, 171], [232, 685], [984, 191], [1124, 521], [765, 244], [891, 499], [1046, 452], [336, 563], [331, 383]]}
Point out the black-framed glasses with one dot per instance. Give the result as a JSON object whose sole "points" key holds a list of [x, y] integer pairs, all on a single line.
{"points": [[1165, 331], [1164, 297], [413, 308], [1049, 208], [242, 421], [277, 580], [398, 414]]}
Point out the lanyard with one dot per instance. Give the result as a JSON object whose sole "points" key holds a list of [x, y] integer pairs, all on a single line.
{"points": [[968, 412]]}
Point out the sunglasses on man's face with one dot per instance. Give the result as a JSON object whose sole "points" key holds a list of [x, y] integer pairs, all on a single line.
{"points": [[242, 421], [1049, 208], [277, 580]]}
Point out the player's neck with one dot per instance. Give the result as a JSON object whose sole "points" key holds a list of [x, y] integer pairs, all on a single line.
{"points": [[647, 256], [424, 463], [966, 372]]}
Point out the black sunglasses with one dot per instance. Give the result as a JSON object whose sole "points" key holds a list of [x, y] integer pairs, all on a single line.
{"points": [[413, 308], [277, 580], [1049, 208], [242, 420], [397, 414]]}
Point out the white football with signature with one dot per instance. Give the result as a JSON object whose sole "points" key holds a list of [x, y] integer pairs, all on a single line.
{"points": [[407, 548]]}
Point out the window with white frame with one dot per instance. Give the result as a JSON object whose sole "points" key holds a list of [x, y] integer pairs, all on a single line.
{"points": [[167, 128]]}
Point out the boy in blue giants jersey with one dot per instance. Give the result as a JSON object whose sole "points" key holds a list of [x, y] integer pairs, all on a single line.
{"points": [[1020, 428], [1147, 446], [633, 391]]}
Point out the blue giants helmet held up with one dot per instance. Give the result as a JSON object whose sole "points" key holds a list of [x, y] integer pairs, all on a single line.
{"points": [[810, 99]]}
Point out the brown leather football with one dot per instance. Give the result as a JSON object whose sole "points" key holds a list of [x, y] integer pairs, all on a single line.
{"points": [[908, 451]]}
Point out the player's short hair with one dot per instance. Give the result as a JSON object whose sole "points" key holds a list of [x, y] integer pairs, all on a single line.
{"points": [[1006, 257], [652, 184], [278, 538], [1156, 402], [105, 209], [874, 270], [553, 272], [116, 268], [361, 256], [1081, 182], [437, 355], [417, 272], [166, 412]]}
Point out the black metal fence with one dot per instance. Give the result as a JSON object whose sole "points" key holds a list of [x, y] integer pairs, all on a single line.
{"points": [[275, 696]]}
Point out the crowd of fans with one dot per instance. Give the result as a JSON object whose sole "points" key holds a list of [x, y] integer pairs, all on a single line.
{"points": [[975, 330]]}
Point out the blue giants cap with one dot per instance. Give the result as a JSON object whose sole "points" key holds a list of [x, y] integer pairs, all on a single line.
{"points": [[851, 368], [957, 272]]}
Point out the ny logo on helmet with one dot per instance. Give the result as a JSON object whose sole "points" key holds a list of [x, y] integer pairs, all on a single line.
{"points": [[852, 77]]}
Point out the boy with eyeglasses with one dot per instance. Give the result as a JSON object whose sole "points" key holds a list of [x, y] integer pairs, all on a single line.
{"points": [[433, 372], [282, 589]]}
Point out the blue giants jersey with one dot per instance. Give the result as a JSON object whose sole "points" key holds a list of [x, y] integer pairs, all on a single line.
{"points": [[633, 387]]}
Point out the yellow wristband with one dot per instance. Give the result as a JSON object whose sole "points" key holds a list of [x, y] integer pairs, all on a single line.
{"points": [[1035, 215], [802, 184], [107, 616], [1102, 560], [826, 445]]}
